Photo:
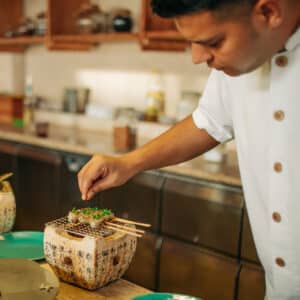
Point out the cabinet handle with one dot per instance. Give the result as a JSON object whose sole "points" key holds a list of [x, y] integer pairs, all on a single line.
{"points": [[39, 155]]}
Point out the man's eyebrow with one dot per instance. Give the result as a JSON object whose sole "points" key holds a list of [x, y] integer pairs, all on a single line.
{"points": [[207, 41]]}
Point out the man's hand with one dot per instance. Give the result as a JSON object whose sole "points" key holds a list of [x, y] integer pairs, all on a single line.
{"points": [[101, 173], [182, 142]]}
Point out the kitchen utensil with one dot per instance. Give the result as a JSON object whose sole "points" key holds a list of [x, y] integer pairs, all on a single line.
{"points": [[22, 279], [165, 296], [88, 257], [5, 176], [22, 244], [7, 205]]}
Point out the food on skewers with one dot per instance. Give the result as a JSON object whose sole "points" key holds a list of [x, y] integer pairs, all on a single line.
{"points": [[93, 216]]}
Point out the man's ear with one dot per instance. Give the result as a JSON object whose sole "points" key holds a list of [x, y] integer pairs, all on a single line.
{"points": [[268, 14]]}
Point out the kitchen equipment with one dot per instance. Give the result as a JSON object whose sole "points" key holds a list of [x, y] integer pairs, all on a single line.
{"points": [[83, 96], [155, 99], [5, 176], [90, 19], [125, 129], [86, 256], [22, 279], [22, 244], [11, 108], [164, 296], [41, 24], [122, 20], [187, 104], [42, 129], [7, 205]]}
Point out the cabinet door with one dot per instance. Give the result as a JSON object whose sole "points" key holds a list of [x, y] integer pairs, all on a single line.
{"points": [[206, 214], [248, 251], [144, 266], [7, 160], [251, 282], [70, 193], [159, 33], [138, 200], [38, 177], [191, 270]]}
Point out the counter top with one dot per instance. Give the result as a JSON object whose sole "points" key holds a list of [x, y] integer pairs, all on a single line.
{"points": [[118, 290], [89, 142]]}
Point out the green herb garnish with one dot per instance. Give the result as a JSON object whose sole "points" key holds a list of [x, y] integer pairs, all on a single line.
{"points": [[97, 216], [106, 212]]}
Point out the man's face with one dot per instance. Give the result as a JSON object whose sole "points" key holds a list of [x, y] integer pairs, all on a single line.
{"points": [[232, 45]]}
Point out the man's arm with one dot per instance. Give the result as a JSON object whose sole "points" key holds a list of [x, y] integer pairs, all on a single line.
{"points": [[182, 142]]}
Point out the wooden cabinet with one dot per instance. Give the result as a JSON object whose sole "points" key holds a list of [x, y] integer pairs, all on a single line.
{"points": [[139, 199], [248, 250], [209, 215], [194, 271], [154, 33], [144, 267], [38, 184], [159, 33], [11, 13], [251, 282]]}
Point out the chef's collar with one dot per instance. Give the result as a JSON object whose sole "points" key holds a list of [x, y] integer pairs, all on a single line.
{"points": [[293, 41]]}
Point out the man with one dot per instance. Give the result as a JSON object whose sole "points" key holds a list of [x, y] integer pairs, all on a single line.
{"points": [[260, 111]]}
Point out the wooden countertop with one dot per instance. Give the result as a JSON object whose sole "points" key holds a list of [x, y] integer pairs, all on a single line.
{"points": [[118, 290], [89, 142]]}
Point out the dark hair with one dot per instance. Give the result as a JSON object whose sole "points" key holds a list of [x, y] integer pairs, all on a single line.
{"points": [[173, 8]]}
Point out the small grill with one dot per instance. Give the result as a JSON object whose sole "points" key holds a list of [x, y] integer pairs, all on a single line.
{"points": [[80, 229]]}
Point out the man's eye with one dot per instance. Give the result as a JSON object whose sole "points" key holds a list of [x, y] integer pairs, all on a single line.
{"points": [[215, 44]]}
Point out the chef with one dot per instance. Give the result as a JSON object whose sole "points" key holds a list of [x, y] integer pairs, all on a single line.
{"points": [[253, 97]]}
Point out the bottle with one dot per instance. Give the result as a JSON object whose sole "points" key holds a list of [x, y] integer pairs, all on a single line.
{"points": [[155, 101], [29, 102]]}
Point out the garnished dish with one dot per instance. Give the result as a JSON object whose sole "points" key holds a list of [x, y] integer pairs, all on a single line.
{"points": [[93, 216], [91, 247]]}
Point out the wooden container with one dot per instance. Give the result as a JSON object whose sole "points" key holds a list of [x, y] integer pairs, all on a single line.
{"points": [[11, 108]]}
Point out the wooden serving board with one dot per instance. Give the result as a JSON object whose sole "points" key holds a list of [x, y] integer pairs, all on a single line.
{"points": [[118, 290]]}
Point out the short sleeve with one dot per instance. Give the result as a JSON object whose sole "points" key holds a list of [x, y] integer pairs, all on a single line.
{"points": [[213, 113]]}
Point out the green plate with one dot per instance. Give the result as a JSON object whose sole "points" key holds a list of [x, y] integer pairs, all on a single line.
{"points": [[22, 244], [165, 296]]}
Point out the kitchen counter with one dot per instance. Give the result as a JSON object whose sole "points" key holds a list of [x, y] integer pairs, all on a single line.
{"points": [[118, 290], [89, 142]]}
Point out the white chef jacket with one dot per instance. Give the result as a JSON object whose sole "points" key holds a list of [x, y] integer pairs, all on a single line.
{"points": [[262, 113]]}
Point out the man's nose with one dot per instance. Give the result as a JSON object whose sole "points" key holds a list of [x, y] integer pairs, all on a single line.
{"points": [[200, 54]]}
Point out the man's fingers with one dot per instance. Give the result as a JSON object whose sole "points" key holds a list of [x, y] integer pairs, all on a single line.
{"points": [[98, 186]]}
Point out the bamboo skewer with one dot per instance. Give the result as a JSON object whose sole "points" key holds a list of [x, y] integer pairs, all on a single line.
{"points": [[5, 176], [131, 222], [126, 227], [124, 231]]}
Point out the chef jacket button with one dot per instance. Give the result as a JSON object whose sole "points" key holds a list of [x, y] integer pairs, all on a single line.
{"points": [[281, 61], [279, 115], [280, 262], [278, 167], [276, 217]]}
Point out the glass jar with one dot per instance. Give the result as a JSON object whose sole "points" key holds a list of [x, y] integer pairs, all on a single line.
{"points": [[124, 130], [7, 207], [122, 20], [187, 104], [91, 19]]}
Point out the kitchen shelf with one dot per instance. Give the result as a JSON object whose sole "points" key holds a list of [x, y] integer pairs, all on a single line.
{"points": [[95, 38], [30, 40]]}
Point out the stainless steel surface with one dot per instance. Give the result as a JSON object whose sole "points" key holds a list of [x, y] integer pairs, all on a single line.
{"points": [[79, 229]]}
